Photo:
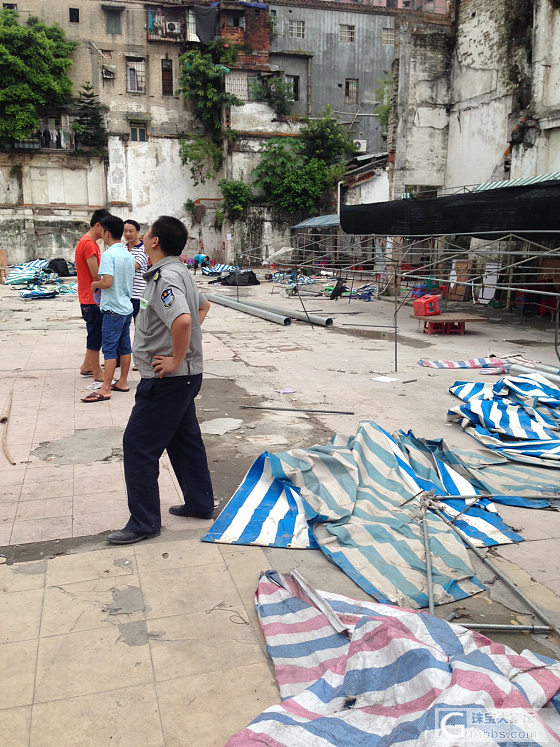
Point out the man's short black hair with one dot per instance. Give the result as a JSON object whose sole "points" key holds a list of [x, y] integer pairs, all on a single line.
{"points": [[172, 234], [98, 216], [132, 223], [114, 225]]}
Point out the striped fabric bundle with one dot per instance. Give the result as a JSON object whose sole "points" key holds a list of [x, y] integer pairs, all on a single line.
{"points": [[218, 269], [517, 416], [355, 674], [351, 498], [471, 363]]}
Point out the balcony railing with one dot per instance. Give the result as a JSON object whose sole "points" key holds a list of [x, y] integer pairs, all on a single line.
{"points": [[50, 140]]}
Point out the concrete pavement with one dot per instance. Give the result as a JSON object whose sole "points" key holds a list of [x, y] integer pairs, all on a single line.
{"points": [[158, 643]]}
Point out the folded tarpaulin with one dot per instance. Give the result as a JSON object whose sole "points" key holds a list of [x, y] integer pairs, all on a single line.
{"points": [[350, 495], [523, 211], [355, 673], [517, 416], [471, 363], [205, 18]]}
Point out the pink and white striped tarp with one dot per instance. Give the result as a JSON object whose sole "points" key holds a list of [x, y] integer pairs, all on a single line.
{"points": [[471, 363], [356, 673]]}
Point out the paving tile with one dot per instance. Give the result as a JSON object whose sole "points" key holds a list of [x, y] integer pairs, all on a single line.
{"points": [[8, 510], [5, 533], [45, 508], [22, 576], [245, 565], [166, 555], [12, 477], [91, 604], [87, 662], [88, 566], [40, 471], [17, 665], [16, 722], [40, 530], [184, 645], [20, 615], [128, 717], [532, 524], [213, 708], [86, 524], [538, 558], [46, 489], [91, 503], [181, 591]]}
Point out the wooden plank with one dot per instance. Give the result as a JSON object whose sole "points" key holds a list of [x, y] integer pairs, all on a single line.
{"points": [[451, 316]]}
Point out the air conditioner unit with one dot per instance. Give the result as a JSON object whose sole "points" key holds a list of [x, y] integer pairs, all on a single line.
{"points": [[172, 27], [361, 146]]}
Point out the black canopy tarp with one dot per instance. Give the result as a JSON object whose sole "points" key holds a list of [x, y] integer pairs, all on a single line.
{"points": [[527, 210]]}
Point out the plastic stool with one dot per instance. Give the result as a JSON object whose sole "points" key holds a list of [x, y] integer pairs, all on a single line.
{"points": [[427, 305]]}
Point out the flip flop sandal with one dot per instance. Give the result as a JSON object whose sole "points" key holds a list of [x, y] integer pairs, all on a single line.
{"points": [[116, 388], [86, 373], [95, 397]]}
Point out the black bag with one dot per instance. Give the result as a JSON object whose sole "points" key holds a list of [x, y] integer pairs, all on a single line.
{"points": [[239, 278], [59, 266]]}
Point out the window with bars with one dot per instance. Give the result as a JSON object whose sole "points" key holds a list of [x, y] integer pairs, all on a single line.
{"points": [[167, 77], [74, 15], [138, 133], [388, 37], [351, 91], [136, 75], [296, 29], [113, 22], [346, 34], [254, 88], [191, 28], [292, 81]]}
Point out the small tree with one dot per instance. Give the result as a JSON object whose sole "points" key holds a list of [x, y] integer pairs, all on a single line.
{"points": [[327, 140], [237, 197], [301, 189], [383, 94], [34, 64], [202, 84], [203, 155], [280, 156], [89, 125]]}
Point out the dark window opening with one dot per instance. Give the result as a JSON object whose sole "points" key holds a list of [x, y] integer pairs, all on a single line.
{"points": [[74, 15], [138, 134], [113, 23], [167, 78]]}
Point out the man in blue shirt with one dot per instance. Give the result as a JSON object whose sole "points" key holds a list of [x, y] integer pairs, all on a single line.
{"points": [[117, 273]]}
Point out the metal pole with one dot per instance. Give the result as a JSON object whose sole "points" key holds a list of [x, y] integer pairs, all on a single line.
{"points": [[514, 628], [238, 306], [428, 562], [538, 612], [397, 287], [302, 316]]}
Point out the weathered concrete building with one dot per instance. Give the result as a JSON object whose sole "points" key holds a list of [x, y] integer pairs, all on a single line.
{"points": [[476, 95], [335, 55]]}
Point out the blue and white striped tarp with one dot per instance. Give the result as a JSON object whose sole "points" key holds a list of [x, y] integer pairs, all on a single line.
{"points": [[348, 497], [218, 269], [471, 363], [517, 416], [359, 674]]}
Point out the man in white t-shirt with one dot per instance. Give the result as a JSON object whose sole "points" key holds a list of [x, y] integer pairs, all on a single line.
{"points": [[135, 245]]}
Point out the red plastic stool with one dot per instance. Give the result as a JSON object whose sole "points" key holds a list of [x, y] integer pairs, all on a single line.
{"points": [[455, 328], [427, 305], [435, 328]]}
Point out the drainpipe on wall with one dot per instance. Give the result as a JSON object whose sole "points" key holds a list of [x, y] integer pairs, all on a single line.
{"points": [[309, 86]]}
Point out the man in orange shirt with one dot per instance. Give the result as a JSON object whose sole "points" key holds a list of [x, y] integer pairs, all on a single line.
{"points": [[87, 258]]}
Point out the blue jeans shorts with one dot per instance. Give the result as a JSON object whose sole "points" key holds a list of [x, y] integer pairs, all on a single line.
{"points": [[116, 335], [94, 321]]}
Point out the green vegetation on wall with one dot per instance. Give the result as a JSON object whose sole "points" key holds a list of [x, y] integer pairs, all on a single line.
{"points": [[34, 64]]}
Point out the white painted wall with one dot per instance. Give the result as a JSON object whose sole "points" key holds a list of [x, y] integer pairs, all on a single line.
{"points": [[145, 180], [374, 190]]}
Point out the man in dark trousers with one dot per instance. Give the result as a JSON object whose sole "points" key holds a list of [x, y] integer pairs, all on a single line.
{"points": [[168, 354]]}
